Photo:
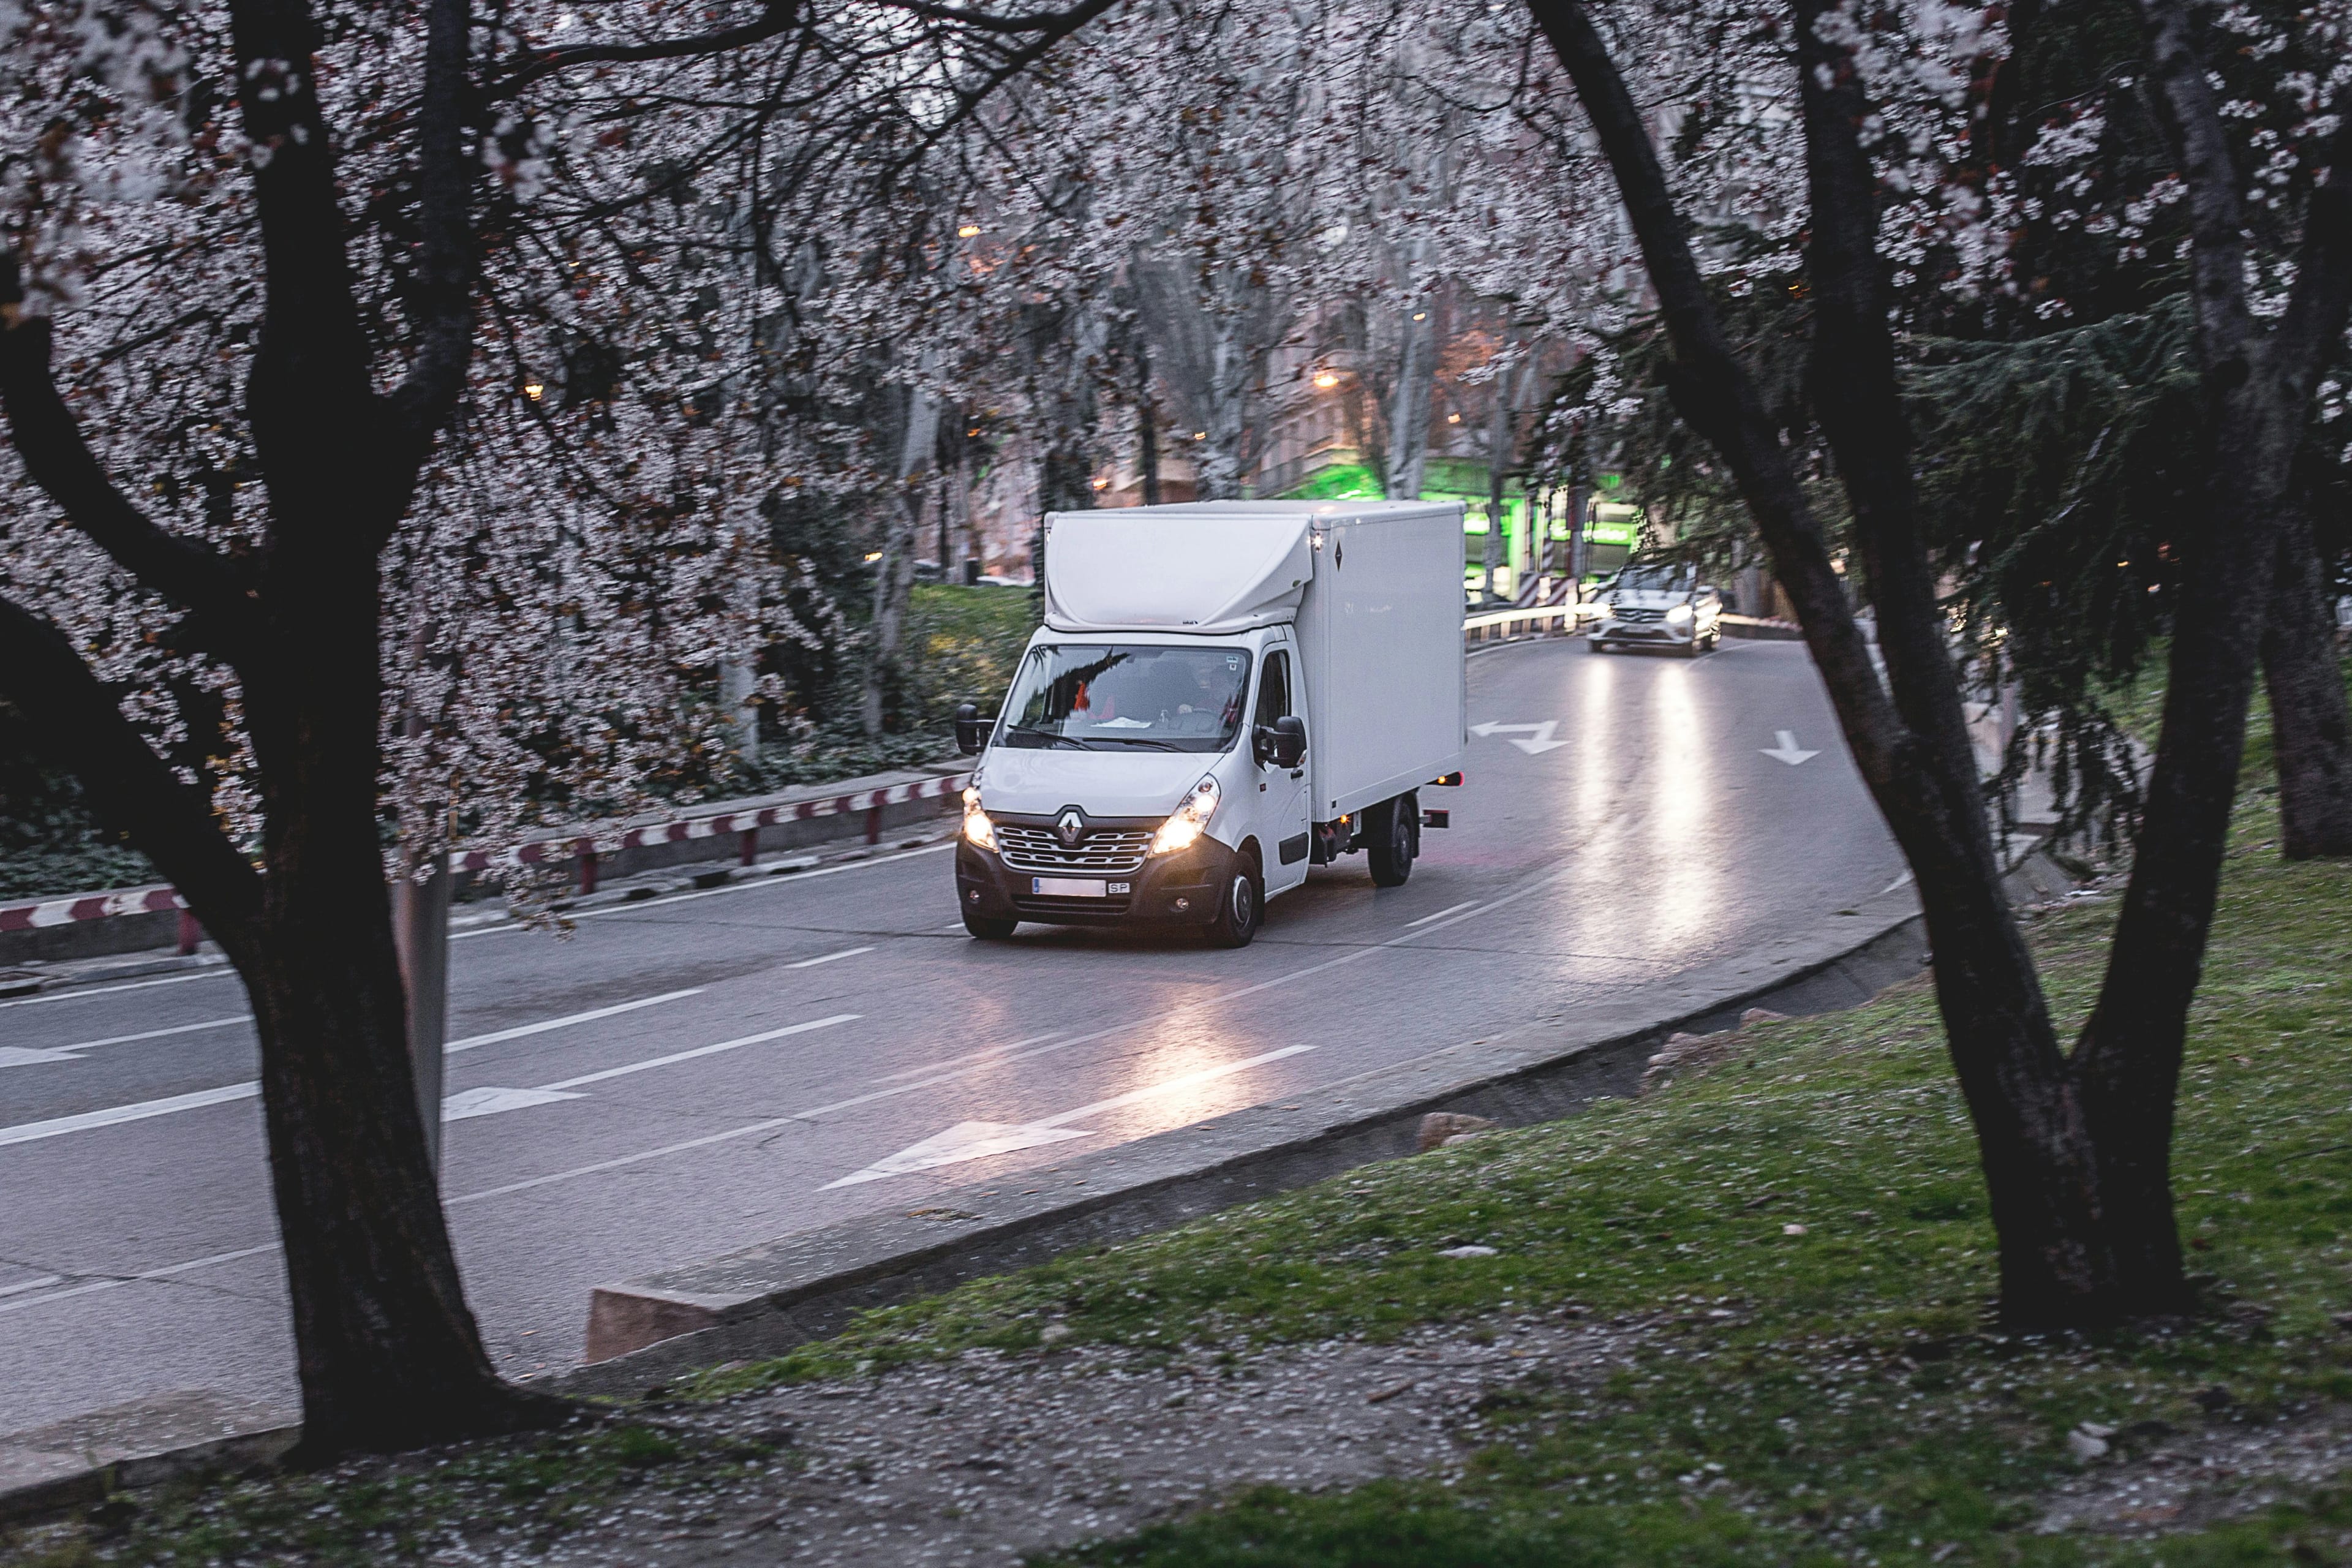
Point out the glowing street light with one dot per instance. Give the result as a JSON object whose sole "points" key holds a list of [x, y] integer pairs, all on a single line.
{"points": [[1326, 379], [969, 231]]}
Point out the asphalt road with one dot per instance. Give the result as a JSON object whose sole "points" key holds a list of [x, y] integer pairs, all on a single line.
{"points": [[704, 1071]]}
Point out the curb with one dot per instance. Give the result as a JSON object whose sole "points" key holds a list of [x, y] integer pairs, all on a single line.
{"points": [[766, 1300]]}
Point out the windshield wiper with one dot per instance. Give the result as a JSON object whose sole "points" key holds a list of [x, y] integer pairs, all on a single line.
{"points": [[1044, 737], [1138, 741]]}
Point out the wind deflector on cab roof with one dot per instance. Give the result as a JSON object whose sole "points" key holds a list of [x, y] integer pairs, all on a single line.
{"points": [[1187, 570]]}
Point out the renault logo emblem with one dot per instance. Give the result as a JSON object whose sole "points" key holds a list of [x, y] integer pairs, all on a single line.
{"points": [[1071, 825]]}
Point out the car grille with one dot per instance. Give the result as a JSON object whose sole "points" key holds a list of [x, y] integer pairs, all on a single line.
{"points": [[1635, 616], [1102, 851]]}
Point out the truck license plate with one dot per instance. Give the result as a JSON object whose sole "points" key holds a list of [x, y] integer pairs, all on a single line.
{"points": [[1073, 887]]}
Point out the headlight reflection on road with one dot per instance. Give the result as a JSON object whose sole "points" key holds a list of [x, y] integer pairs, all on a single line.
{"points": [[1688, 830]]}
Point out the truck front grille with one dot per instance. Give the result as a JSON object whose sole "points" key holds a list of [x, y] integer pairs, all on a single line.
{"points": [[1637, 615], [1103, 851]]}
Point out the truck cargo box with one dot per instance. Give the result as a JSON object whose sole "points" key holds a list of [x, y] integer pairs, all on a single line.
{"points": [[1373, 590]]}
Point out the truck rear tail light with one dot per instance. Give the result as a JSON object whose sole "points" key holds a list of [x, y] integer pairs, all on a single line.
{"points": [[1447, 779]]}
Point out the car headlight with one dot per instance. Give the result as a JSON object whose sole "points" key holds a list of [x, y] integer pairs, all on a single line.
{"points": [[976, 825], [1191, 820], [1678, 614]]}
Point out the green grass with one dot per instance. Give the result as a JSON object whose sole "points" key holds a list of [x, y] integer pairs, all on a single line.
{"points": [[518, 1494]]}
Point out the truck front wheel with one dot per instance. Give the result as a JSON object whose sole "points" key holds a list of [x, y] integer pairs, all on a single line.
{"points": [[1393, 837], [1242, 909]]}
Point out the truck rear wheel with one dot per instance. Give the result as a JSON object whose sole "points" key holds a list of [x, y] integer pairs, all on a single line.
{"points": [[1242, 908], [1394, 839]]}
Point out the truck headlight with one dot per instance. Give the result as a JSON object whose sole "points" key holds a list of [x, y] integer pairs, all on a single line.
{"points": [[1678, 614], [976, 825], [1191, 820]]}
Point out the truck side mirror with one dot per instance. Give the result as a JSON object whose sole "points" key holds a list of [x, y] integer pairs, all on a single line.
{"points": [[967, 726], [1289, 740]]}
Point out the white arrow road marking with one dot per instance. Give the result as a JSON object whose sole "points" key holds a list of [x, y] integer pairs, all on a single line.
{"points": [[964, 1140], [972, 1139], [1786, 749], [1540, 735], [489, 1101], [20, 1055], [113, 1116]]}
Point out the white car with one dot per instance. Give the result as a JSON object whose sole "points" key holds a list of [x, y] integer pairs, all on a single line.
{"points": [[1658, 607]]}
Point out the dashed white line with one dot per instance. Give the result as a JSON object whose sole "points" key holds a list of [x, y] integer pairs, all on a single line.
{"points": [[828, 958], [653, 1062], [156, 1034], [519, 1030], [219, 974], [1443, 913], [114, 1115]]}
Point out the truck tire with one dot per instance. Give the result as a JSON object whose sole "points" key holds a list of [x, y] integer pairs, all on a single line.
{"points": [[1392, 837], [987, 930], [1240, 908]]}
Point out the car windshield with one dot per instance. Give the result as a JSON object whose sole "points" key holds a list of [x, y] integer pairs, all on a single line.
{"points": [[1116, 698], [1656, 579]]}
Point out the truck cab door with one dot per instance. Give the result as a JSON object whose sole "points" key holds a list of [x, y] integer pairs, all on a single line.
{"points": [[1283, 793]]}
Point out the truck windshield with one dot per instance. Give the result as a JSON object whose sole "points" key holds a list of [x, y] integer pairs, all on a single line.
{"points": [[1111, 697]]}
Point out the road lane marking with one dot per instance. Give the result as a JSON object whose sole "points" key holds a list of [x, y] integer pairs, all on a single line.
{"points": [[794, 880], [66, 1053], [1895, 884], [58, 1126], [43, 1283], [490, 1101], [969, 1057], [653, 1062], [116, 1282], [828, 958], [220, 974], [519, 1030], [1441, 914], [114, 1116], [978, 1140]]}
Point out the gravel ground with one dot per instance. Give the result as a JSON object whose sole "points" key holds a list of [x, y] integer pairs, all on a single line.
{"points": [[987, 1458], [2162, 1482]]}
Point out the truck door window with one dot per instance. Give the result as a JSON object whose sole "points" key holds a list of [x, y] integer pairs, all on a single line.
{"points": [[1274, 688]]}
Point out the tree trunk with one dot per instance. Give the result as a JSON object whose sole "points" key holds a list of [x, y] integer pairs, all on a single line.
{"points": [[1146, 424], [1909, 744], [2309, 726], [1407, 449], [894, 575]]}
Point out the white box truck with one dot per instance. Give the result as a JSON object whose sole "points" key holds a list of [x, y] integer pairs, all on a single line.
{"points": [[1223, 696]]}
